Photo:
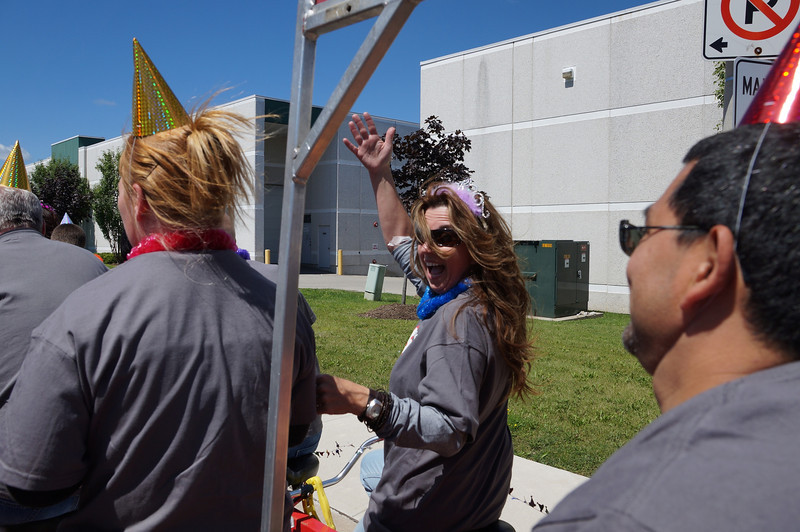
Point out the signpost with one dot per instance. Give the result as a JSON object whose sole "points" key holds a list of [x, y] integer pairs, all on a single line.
{"points": [[749, 74], [748, 28]]}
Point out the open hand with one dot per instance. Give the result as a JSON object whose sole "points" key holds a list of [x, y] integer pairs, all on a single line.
{"points": [[374, 153]]}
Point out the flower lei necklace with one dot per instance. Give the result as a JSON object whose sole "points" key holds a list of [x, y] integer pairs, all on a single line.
{"points": [[431, 301], [210, 239]]}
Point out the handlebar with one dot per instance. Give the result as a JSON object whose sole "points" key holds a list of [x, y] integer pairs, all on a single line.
{"points": [[347, 467]]}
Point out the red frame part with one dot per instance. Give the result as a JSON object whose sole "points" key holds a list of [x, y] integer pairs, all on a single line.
{"points": [[306, 523]]}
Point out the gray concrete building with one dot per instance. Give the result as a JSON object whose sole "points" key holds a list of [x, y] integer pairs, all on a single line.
{"points": [[580, 126]]}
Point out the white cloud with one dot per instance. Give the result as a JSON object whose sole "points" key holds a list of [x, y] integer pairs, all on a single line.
{"points": [[5, 150]]}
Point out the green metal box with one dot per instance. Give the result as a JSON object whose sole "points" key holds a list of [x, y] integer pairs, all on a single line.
{"points": [[556, 275]]}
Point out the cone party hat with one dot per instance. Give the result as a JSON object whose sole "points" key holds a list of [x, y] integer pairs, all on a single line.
{"points": [[778, 99], [155, 107], [13, 173]]}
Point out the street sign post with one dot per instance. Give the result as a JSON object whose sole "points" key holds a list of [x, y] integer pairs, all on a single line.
{"points": [[748, 75], [748, 28]]}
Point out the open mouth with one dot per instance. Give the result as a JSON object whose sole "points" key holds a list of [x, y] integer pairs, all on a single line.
{"points": [[434, 269]]}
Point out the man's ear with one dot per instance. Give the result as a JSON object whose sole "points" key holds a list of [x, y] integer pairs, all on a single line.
{"points": [[715, 270]]}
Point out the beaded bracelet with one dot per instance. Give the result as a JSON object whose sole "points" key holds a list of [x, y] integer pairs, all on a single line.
{"points": [[386, 408]]}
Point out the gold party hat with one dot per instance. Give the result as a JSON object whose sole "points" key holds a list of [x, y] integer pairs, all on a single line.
{"points": [[13, 173], [155, 107]]}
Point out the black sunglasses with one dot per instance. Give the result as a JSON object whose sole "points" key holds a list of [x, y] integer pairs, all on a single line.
{"points": [[445, 237], [630, 235]]}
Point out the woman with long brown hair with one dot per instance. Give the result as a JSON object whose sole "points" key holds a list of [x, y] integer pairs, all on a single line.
{"points": [[447, 452]]}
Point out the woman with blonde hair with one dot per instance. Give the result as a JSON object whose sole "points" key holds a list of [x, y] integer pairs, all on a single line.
{"points": [[148, 388], [447, 452]]}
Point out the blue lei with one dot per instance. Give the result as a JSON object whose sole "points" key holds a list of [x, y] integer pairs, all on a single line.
{"points": [[431, 301]]}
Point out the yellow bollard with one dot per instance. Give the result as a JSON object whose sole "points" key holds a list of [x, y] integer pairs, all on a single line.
{"points": [[339, 265], [266, 257]]}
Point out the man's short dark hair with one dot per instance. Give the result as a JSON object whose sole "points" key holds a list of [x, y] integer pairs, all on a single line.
{"points": [[70, 233], [51, 220], [768, 243]]}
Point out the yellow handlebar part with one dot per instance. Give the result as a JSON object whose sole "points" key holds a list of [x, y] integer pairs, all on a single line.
{"points": [[308, 502]]}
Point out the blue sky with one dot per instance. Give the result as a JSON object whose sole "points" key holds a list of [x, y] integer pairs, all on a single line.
{"points": [[67, 66]]}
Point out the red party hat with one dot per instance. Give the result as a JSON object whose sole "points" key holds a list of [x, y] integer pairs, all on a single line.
{"points": [[778, 99]]}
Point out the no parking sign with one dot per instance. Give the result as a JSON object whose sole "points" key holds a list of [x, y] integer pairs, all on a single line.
{"points": [[748, 28]]}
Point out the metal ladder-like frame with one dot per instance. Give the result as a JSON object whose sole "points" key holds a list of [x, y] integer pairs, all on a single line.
{"points": [[304, 148]]}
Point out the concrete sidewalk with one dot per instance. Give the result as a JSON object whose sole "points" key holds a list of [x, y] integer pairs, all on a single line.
{"points": [[535, 487], [353, 283]]}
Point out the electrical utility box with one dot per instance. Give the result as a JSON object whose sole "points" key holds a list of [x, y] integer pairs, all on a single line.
{"points": [[374, 288], [556, 276]]}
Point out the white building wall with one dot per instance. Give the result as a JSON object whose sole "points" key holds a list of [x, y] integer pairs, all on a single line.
{"points": [[339, 198], [568, 160], [87, 161], [250, 225]]}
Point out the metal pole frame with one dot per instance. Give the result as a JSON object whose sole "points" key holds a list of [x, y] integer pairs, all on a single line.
{"points": [[304, 148]]}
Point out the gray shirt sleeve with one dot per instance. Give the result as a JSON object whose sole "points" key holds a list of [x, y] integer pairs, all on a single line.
{"points": [[402, 256], [45, 456], [447, 413]]}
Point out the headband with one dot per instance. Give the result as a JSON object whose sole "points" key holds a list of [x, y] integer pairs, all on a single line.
{"points": [[465, 190]]}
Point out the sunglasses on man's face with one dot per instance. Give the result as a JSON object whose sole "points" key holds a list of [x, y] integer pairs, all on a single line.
{"points": [[630, 235], [445, 237]]}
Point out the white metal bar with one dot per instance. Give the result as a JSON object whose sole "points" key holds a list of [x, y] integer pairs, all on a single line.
{"points": [[303, 150], [280, 382], [330, 15], [366, 60]]}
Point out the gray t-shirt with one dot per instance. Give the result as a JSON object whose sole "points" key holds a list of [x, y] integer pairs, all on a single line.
{"points": [[448, 451], [724, 460], [309, 443], [149, 386], [270, 271], [37, 274]]}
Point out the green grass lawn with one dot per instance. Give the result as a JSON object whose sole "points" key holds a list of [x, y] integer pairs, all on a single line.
{"points": [[592, 396]]}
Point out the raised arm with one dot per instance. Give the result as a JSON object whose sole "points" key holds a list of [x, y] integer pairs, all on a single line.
{"points": [[376, 155]]}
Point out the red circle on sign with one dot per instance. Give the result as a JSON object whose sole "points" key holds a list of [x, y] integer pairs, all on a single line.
{"points": [[780, 25]]}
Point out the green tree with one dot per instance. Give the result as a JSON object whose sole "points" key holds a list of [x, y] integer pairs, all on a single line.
{"points": [[104, 204], [59, 184], [429, 154]]}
